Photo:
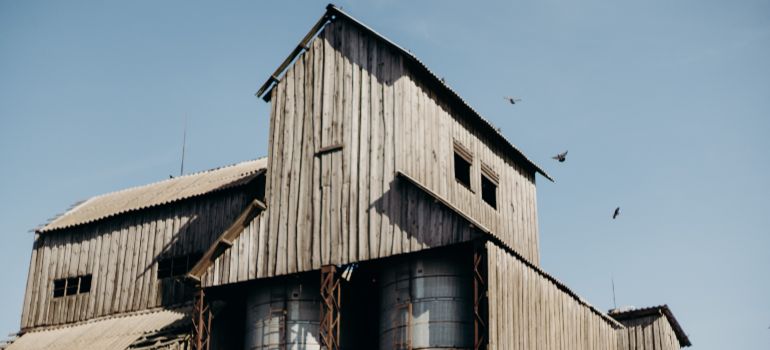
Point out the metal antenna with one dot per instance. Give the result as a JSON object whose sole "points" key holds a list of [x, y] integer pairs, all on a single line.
{"points": [[184, 143], [614, 303]]}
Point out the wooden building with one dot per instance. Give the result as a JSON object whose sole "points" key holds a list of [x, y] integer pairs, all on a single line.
{"points": [[375, 168]]}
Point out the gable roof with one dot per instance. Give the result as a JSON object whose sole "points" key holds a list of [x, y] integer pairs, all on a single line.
{"points": [[158, 193], [654, 311], [431, 79]]}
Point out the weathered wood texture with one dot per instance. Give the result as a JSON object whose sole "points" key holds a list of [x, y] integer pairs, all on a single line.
{"points": [[647, 333], [121, 253], [343, 204], [427, 130], [529, 311], [346, 116]]}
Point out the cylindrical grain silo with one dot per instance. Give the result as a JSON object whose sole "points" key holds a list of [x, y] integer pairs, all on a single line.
{"points": [[426, 303], [283, 314]]}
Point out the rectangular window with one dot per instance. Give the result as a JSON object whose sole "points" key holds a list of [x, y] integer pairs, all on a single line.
{"points": [[489, 191], [489, 181], [463, 160], [71, 286], [177, 265], [85, 284], [58, 288]]}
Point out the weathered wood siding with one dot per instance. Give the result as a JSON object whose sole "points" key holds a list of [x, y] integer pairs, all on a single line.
{"points": [[529, 311], [427, 130], [332, 195], [647, 333], [121, 253], [346, 116]]}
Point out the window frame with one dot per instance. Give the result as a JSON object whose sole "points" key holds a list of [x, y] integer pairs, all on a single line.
{"points": [[69, 286], [461, 152], [488, 174]]}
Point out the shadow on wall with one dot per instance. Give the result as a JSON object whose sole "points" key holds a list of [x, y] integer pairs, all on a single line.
{"points": [[419, 220]]}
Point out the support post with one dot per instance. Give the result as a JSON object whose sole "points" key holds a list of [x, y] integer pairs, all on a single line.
{"points": [[330, 308], [480, 300], [201, 321]]}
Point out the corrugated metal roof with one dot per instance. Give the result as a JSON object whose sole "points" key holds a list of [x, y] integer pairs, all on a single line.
{"points": [[472, 115], [116, 332], [158, 193], [654, 310]]}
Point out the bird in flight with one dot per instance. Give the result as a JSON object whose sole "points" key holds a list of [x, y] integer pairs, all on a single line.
{"points": [[512, 100], [561, 157], [616, 213]]}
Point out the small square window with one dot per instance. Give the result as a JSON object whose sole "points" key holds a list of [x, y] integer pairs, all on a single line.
{"points": [[72, 286], [58, 287], [85, 284], [489, 191], [462, 170]]}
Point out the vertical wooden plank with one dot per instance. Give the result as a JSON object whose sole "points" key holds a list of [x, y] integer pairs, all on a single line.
{"points": [[305, 209], [31, 278], [345, 116], [151, 266], [337, 165], [295, 170], [275, 173], [353, 134], [286, 180], [327, 114], [364, 151], [317, 129], [375, 151], [86, 248], [388, 153]]}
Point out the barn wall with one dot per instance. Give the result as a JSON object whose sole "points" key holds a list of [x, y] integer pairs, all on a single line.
{"points": [[332, 192], [426, 131], [346, 117], [121, 254], [647, 333], [529, 311]]}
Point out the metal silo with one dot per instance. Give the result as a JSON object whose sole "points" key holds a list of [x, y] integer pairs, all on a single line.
{"points": [[283, 314], [426, 303]]}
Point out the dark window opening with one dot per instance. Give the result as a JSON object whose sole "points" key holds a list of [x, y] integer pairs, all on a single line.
{"points": [[85, 284], [71, 286], [489, 191], [177, 265], [462, 170], [58, 288]]}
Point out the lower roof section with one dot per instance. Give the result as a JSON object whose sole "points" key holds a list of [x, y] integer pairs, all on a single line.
{"points": [[113, 332]]}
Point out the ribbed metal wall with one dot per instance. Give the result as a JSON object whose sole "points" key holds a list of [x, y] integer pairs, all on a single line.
{"points": [[284, 314], [425, 303]]}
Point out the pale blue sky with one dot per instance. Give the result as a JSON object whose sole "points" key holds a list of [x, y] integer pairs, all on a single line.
{"points": [[664, 107]]}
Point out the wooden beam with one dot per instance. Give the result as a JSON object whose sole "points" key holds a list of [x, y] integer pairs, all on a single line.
{"points": [[226, 239], [444, 201]]}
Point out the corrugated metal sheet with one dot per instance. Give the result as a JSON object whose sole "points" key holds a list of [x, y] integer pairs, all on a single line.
{"points": [[158, 193], [479, 121], [117, 332]]}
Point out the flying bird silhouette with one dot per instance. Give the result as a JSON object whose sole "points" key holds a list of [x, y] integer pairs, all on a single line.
{"points": [[561, 157], [512, 100], [616, 213]]}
